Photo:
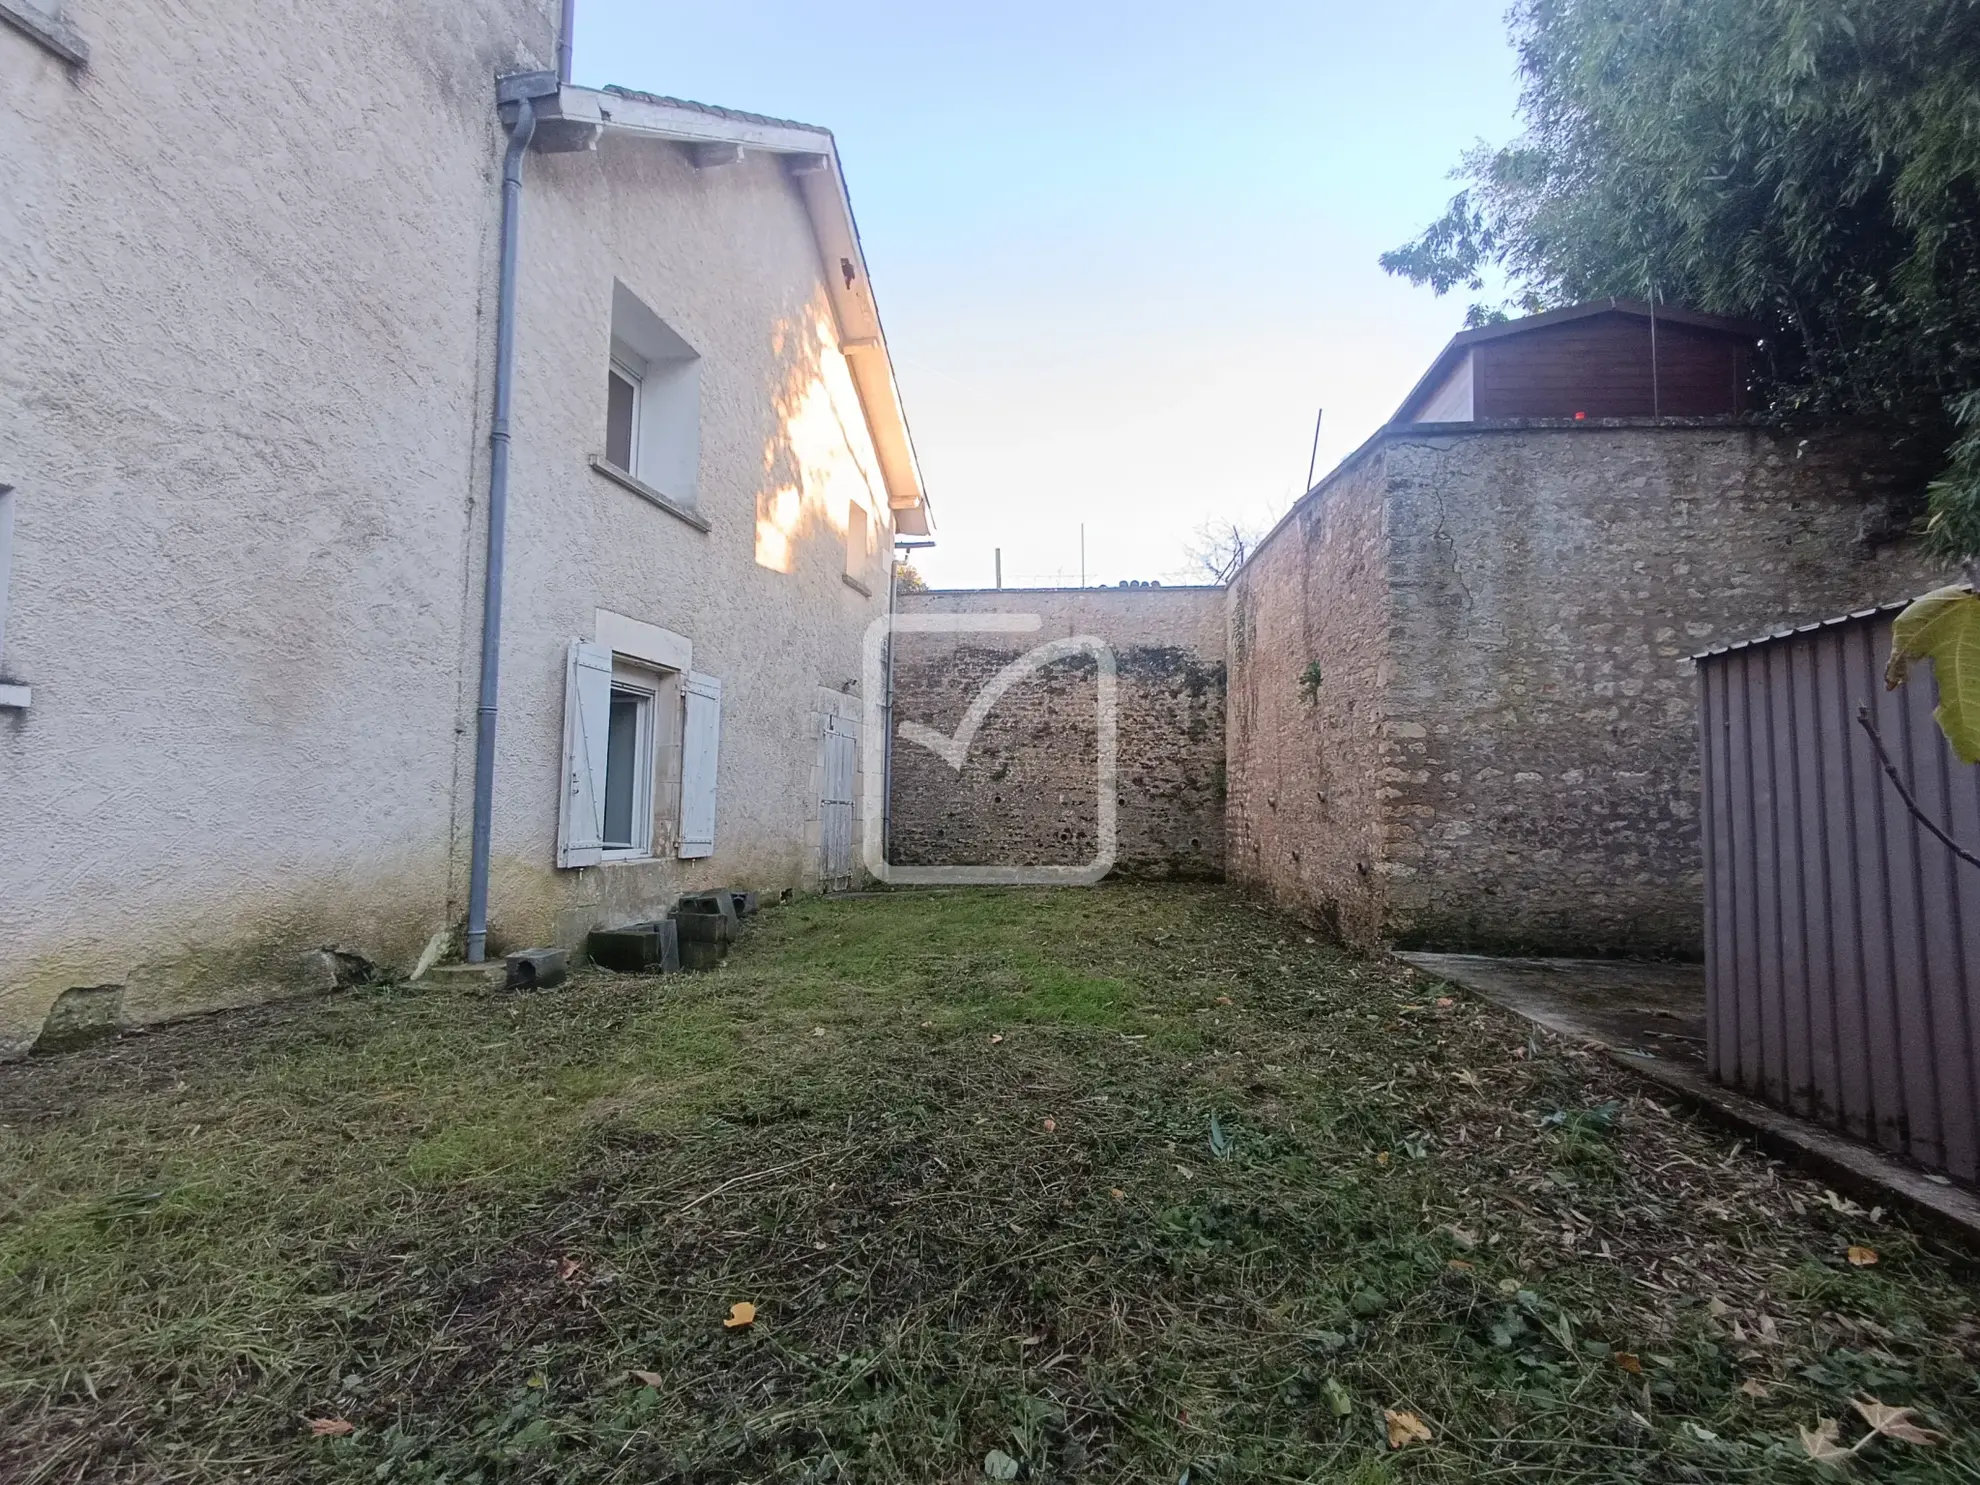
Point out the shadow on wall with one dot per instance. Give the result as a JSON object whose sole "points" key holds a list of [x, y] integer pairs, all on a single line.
{"points": [[817, 461]]}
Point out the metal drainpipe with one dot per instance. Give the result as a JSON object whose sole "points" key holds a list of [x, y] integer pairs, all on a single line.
{"points": [[498, 514], [566, 24], [887, 711]]}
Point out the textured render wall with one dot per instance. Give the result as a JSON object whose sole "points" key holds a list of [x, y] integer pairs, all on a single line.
{"points": [[242, 259], [1027, 791], [727, 258], [1549, 585], [1306, 765]]}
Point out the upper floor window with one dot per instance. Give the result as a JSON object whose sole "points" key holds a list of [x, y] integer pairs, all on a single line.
{"points": [[652, 402]]}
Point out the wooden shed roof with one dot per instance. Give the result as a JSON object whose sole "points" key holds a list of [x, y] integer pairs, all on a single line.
{"points": [[1464, 340]]}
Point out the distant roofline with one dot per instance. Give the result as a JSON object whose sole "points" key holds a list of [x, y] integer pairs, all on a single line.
{"points": [[1464, 340]]}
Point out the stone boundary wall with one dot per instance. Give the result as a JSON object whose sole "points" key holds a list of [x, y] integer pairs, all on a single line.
{"points": [[1501, 752], [1309, 617], [1027, 790]]}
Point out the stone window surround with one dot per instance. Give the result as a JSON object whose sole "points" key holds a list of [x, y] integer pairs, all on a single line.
{"points": [[48, 27]]}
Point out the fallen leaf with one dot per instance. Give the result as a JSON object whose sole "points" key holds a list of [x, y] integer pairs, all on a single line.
{"points": [[1445, 1002], [1894, 1423], [1339, 1402], [1050, 1125], [1860, 1256], [1823, 1441], [1469, 1078], [1404, 1428], [1382, 1157], [1223, 1000], [649, 1379], [741, 1314], [1754, 1388], [569, 1268], [1186, 1173], [330, 1428], [1457, 1263], [817, 1031], [1000, 1466], [1628, 1362], [995, 1037], [1508, 1286], [1117, 1193]]}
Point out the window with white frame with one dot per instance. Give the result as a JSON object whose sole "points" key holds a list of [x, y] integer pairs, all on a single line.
{"points": [[652, 402], [640, 751]]}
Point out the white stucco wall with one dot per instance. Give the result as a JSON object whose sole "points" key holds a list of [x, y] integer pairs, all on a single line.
{"points": [[247, 259], [243, 257], [727, 258]]}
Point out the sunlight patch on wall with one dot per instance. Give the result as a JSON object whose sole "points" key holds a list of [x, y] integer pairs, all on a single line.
{"points": [[820, 460]]}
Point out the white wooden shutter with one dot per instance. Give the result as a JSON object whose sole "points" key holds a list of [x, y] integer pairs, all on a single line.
{"points": [[701, 743], [587, 724]]}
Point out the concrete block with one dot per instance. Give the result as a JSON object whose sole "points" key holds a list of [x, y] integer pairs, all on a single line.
{"points": [[638, 948], [538, 969], [699, 954]]}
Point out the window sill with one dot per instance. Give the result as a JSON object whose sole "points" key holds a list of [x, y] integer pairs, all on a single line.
{"points": [[639, 486], [51, 32], [14, 695], [856, 585]]}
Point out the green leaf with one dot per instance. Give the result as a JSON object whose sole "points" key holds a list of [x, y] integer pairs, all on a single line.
{"points": [[1944, 627], [1338, 1400], [1220, 1143]]}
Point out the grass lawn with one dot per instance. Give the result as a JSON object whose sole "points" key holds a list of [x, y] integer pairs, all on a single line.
{"points": [[1128, 1184]]}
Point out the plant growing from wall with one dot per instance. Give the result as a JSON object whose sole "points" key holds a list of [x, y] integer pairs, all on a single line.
{"points": [[1310, 680]]}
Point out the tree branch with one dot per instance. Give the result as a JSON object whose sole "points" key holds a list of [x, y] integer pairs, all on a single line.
{"points": [[1890, 769]]}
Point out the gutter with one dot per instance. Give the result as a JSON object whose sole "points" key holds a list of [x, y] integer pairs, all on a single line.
{"points": [[518, 90]]}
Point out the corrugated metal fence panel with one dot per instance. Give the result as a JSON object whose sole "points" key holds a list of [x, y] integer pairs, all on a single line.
{"points": [[1842, 939]]}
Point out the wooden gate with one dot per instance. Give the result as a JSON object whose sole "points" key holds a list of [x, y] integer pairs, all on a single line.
{"points": [[835, 806]]}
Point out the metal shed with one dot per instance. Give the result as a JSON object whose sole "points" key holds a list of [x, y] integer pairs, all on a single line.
{"points": [[1842, 938]]}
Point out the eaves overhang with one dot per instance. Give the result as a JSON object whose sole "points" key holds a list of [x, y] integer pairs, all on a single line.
{"points": [[577, 117]]}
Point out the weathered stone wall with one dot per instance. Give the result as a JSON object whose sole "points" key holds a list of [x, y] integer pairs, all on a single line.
{"points": [[1550, 585], [1502, 752], [1027, 790], [1308, 644]]}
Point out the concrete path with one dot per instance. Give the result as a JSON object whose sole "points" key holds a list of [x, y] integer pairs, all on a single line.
{"points": [[1652, 1010], [1650, 1018]]}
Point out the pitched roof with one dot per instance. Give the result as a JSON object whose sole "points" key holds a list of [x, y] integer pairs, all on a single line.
{"points": [[1464, 340], [812, 158], [734, 115]]}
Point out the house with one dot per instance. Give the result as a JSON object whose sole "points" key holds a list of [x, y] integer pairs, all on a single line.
{"points": [[251, 279], [1462, 712]]}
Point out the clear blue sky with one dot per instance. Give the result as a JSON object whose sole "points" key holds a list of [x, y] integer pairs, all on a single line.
{"points": [[1123, 252]]}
